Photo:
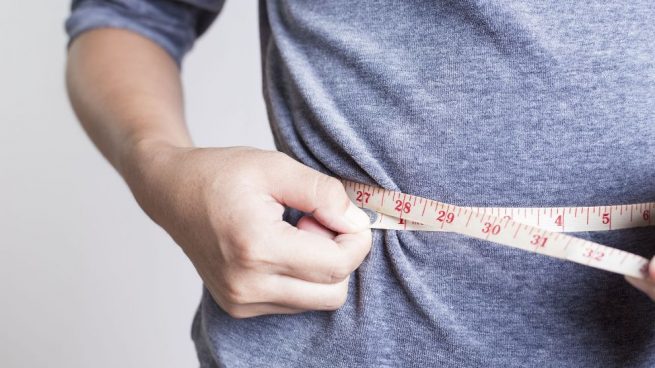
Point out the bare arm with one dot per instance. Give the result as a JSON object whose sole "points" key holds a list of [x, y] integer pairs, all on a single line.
{"points": [[223, 206], [126, 91]]}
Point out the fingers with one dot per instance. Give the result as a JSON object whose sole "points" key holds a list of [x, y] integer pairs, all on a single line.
{"points": [[283, 294], [651, 269], [257, 309], [308, 190], [308, 223], [300, 294], [296, 269], [314, 257], [647, 286], [270, 266]]}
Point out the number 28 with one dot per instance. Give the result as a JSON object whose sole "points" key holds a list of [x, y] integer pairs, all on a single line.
{"points": [[403, 206]]}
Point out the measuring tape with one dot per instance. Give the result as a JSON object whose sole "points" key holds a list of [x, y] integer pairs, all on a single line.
{"points": [[537, 230]]}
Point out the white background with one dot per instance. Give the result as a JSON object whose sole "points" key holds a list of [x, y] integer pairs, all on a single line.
{"points": [[86, 279]]}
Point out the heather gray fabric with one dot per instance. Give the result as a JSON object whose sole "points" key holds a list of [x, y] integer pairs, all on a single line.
{"points": [[480, 103]]}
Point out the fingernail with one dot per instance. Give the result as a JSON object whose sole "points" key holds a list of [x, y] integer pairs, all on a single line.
{"points": [[357, 217]]}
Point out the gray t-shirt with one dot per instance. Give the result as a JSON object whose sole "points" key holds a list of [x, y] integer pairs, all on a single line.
{"points": [[470, 102]]}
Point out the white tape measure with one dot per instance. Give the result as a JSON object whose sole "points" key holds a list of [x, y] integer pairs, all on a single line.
{"points": [[537, 230]]}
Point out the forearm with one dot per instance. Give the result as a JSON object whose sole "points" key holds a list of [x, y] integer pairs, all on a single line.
{"points": [[126, 92], [223, 206]]}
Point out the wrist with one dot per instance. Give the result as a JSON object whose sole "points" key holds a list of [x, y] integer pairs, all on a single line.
{"points": [[146, 166], [143, 157]]}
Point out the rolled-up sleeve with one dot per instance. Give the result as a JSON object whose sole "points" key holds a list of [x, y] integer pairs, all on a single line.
{"points": [[172, 24]]}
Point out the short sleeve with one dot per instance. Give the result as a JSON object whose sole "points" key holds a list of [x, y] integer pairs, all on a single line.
{"points": [[172, 24]]}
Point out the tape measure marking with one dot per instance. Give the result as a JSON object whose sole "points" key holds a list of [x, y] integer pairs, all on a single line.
{"points": [[537, 230]]}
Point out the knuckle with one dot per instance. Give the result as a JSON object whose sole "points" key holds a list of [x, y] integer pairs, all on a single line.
{"points": [[246, 256], [354, 252], [364, 238], [337, 299], [235, 235], [339, 273], [354, 263], [236, 312], [248, 252], [325, 186], [367, 241], [236, 294], [357, 247]]}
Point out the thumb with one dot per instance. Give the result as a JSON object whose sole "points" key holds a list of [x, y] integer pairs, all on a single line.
{"points": [[646, 285], [308, 190]]}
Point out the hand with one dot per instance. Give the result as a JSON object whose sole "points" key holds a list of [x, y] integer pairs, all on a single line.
{"points": [[224, 207], [648, 285]]}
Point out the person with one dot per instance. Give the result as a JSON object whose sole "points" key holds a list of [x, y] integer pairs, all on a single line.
{"points": [[474, 103]]}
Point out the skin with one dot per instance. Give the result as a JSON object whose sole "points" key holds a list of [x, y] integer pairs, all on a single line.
{"points": [[647, 285], [222, 206]]}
